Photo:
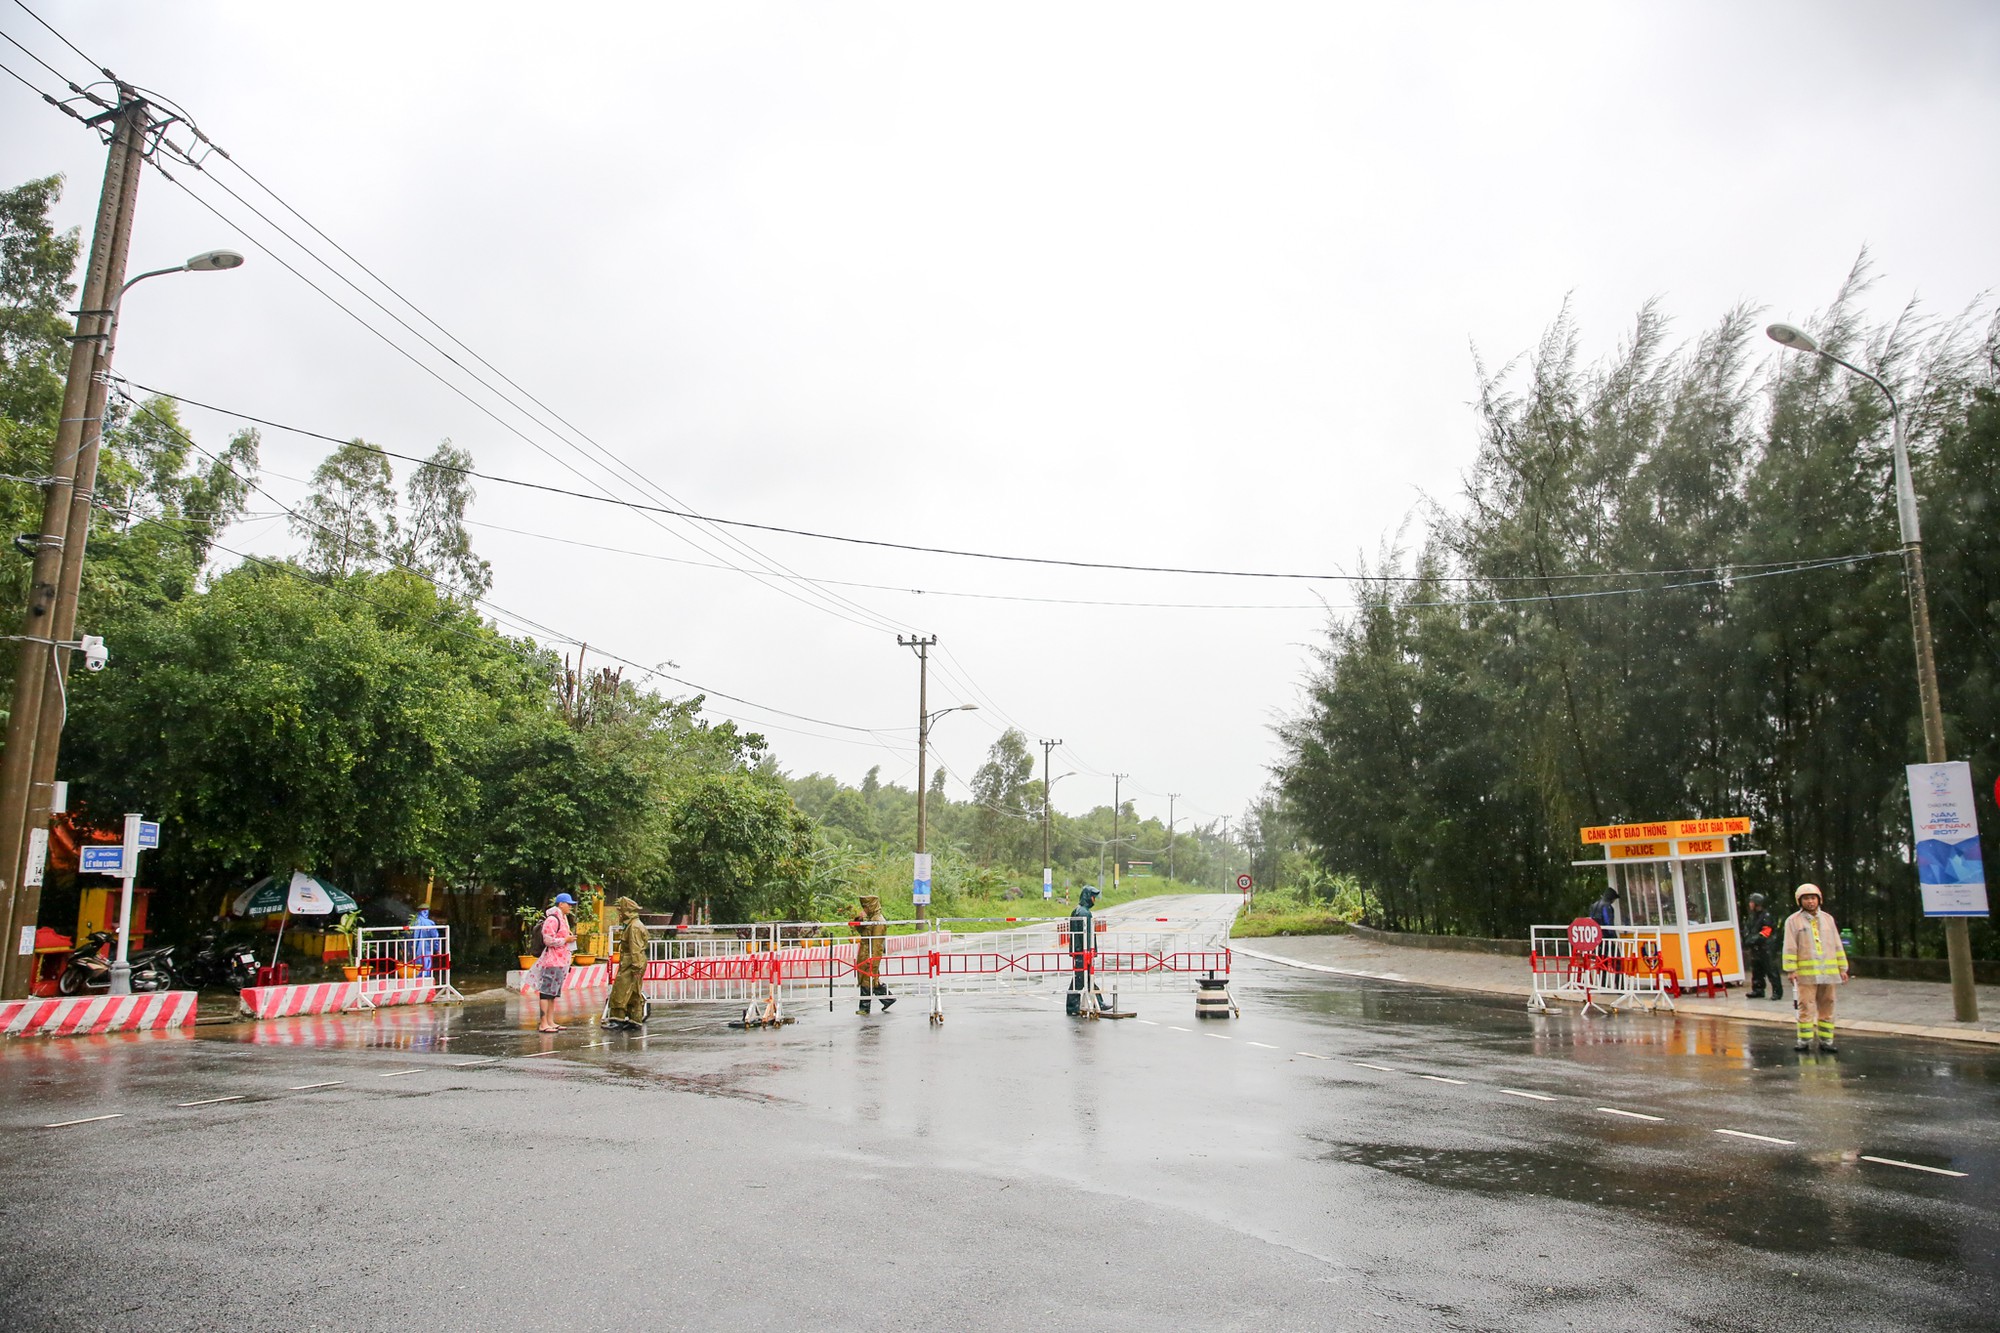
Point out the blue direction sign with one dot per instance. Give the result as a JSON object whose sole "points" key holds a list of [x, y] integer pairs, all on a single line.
{"points": [[149, 834], [98, 859]]}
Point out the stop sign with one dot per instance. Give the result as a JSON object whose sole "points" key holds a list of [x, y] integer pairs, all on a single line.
{"points": [[1584, 935]]}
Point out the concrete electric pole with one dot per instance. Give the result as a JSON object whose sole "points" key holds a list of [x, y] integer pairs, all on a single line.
{"points": [[1048, 788], [1172, 796], [1116, 778], [34, 726]]}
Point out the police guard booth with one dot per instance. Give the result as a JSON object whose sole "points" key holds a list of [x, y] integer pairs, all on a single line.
{"points": [[1674, 876]]}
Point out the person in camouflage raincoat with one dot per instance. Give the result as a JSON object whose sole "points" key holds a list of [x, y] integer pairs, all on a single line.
{"points": [[869, 928], [628, 1007]]}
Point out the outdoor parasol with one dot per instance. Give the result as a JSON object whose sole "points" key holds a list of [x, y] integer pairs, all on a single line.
{"points": [[300, 895]]}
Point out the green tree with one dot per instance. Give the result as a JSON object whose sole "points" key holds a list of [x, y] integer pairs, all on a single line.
{"points": [[740, 845], [348, 521], [435, 541]]}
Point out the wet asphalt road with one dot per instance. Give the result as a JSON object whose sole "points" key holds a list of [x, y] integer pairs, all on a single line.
{"points": [[1348, 1155]]}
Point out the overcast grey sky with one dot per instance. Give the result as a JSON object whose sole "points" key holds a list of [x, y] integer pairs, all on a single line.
{"points": [[1191, 285]]}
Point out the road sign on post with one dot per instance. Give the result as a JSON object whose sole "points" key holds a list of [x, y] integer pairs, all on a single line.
{"points": [[1243, 883], [136, 827], [100, 859]]}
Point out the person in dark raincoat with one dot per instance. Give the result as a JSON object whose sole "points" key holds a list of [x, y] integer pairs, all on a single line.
{"points": [[1766, 948], [1082, 939], [869, 928], [628, 1006]]}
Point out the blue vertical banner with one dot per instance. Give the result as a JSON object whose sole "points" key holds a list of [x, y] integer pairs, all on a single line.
{"points": [[1945, 832], [920, 886], [1048, 882]]}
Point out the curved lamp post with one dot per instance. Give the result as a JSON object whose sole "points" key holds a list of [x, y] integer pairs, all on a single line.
{"points": [[1958, 940]]}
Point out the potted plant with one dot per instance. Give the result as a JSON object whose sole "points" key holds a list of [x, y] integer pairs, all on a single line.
{"points": [[530, 918], [585, 925], [350, 922]]}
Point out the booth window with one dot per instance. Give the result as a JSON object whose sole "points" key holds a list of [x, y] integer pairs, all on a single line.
{"points": [[1707, 892], [1648, 890]]}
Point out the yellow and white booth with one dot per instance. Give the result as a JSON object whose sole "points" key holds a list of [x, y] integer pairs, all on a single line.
{"points": [[1674, 877]]}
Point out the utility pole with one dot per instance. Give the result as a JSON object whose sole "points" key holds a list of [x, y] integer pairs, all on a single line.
{"points": [[34, 726], [1172, 796], [922, 876], [1116, 778], [1227, 863], [1048, 788]]}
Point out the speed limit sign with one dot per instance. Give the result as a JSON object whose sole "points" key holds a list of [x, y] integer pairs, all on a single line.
{"points": [[1243, 883]]}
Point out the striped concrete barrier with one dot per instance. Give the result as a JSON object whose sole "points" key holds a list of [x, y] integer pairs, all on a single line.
{"points": [[597, 974], [334, 997], [87, 1015]]}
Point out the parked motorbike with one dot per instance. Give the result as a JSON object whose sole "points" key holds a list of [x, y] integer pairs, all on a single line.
{"points": [[220, 963], [88, 968]]}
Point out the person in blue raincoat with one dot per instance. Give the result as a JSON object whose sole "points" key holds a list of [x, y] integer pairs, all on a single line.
{"points": [[423, 939]]}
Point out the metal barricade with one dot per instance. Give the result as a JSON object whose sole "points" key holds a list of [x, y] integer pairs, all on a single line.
{"points": [[770, 965], [403, 965], [1626, 966]]}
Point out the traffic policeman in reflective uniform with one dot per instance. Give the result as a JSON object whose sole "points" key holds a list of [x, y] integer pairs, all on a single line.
{"points": [[1082, 940]]}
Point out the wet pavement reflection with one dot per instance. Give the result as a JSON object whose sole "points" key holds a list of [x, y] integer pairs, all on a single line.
{"points": [[1349, 1149]]}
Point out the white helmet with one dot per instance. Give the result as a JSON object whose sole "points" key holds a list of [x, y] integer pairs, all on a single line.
{"points": [[1799, 894]]}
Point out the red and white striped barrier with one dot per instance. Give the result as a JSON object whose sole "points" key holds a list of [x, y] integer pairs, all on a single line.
{"points": [[326, 997], [597, 974], [87, 1015], [335, 997]]}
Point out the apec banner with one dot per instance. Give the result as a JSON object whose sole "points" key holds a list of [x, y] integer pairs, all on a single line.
{"points": [[1946, 827], [920, 886]]}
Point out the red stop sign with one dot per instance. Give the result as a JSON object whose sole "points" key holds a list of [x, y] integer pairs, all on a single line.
{"points": [[1584, 935]]}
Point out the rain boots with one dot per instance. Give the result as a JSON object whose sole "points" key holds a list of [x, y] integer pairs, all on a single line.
{"points": [[864, 1004], [882, 994]]}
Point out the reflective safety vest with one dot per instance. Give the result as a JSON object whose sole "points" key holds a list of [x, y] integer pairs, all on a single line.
{"points": [[1813, 951]]}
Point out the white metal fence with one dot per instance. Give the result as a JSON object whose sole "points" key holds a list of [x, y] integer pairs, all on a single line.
{"points": [[1625, 967], [771, 964], [402, 964]]}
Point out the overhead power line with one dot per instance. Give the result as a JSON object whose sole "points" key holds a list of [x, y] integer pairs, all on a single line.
{"points": [[533, 626], [546, 488]]}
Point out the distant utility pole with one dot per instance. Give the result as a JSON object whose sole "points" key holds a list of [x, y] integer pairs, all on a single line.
{"points": [[34, 726], [923, 647], [1048, 788], [1116, 778], [1227, 863], [1172, 796]]}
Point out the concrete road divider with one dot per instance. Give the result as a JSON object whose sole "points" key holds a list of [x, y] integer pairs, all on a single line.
{"points": [[87, 1015]]}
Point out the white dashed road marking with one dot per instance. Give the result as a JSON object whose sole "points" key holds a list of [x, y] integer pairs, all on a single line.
{"points": [[467, 1064], [1761, 1138], [1633, 1115], [398, 1073], [1310, 1056], [87, 1120], [1149, 1022], [1365, 1065], [1265, 1044], [1219, 1036], [1531, 1096], [1907, 1166], [1439, 1078], [308, 1087], [212, 1101], [1172, 1028]]}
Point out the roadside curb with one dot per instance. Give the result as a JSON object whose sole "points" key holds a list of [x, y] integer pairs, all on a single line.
{"points": [[1685, 1007]]}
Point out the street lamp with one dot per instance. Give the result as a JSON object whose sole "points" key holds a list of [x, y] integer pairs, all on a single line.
{"points": [[923, 750], [1048, 809], [1957, 939], [27, 782]]}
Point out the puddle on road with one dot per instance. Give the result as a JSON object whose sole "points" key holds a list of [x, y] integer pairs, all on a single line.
{"points": [[1774, 1205]]}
